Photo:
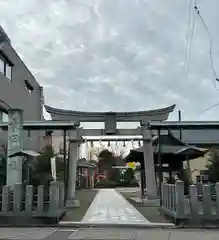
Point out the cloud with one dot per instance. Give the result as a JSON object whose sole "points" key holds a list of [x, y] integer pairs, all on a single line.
{"points": [[118, 55]]}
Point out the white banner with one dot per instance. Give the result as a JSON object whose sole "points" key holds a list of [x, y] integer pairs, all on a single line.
{"points": [[53, 168]]}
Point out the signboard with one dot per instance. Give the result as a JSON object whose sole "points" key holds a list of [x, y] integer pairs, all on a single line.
{"points": [[14, 132]]}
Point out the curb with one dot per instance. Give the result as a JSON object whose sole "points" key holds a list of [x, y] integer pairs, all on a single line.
{"points": [[92, 225], [115, 225], [86, 225]]}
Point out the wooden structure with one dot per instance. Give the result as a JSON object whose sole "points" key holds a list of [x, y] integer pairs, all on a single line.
{"points": [[85, 173], [173, 153], [169, 154]]}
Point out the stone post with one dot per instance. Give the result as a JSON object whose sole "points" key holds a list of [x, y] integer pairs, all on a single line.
{"points": [[180, 199], [193, 202], [15, 144], [207, 201], [5, 199], [40, 199], [149, 162], [53, 196], [74, 148], [29, 199], [17, 197]]}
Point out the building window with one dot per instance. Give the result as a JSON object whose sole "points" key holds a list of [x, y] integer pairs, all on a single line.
{"points": [[2, 65], [5, 67], [4, 117], [28, 86], [8, 71]]}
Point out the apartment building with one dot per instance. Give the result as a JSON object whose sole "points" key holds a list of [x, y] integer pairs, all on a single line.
{"points": [[18, 89]]}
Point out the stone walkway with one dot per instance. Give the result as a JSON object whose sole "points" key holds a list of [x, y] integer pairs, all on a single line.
{"points": [[111, 207]]}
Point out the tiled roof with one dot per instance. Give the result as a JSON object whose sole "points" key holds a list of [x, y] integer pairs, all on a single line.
{"points": [[198, 136], [84, 163]]}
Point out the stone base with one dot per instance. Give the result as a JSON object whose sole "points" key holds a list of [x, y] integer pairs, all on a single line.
{"points": [[74, 203], [150, 197], [146, 202], [151, 202], [23, 219]]}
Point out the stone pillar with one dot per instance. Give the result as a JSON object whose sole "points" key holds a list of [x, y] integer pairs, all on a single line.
{"points": [[15, 144], [1, 116], [92, 175], [149, 162], [74, 149], [41, 102]]}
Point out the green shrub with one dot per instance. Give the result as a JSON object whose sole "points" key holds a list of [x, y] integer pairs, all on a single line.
{"points": [[132, 183], [104, 183]]}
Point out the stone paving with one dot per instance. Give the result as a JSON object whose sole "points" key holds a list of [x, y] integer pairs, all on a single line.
{"points": [[109, 206], [26, 233], [105, 234], [144, 234]]}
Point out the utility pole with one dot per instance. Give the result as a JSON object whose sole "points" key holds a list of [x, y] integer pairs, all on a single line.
{"points": [[180, 119], [180, 137]]}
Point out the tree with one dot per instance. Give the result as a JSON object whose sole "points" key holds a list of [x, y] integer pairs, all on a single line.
{"points": [[213, 165], [128, 175], [106, 161], [41, 173], [60, 168], [186, 178], [3, 163]]}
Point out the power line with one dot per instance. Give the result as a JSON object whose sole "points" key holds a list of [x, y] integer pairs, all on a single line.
{"points": [[187, 36], [210, 42], [191, 41], [209, 108], [210, 53]]}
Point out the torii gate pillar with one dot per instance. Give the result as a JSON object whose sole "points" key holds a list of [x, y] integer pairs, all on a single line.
{"points": [[74, 149], [149, 162]]}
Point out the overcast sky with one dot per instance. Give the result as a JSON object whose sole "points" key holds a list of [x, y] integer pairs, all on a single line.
{"points": [[118, 55]]}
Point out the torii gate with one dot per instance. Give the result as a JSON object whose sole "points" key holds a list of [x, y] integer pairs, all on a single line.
{"points": [[110, 119]]}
